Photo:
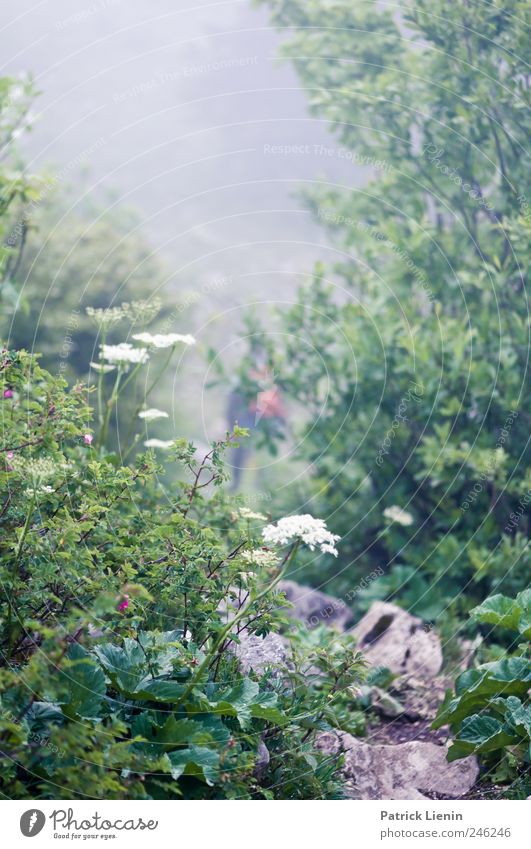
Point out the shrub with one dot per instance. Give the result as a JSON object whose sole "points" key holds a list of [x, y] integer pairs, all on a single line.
{"points": [[122, 603], [415, 423], [490, 713]]}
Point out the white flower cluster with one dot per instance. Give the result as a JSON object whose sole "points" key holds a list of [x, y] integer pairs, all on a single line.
{"points": [[164, 340], [152, 414], [134, 312], [313, 532], [106, 316], [105, 369], [124, 353], [396, 514], [159, 443], [38, 470], [246, 513], [260, 557], [30, 492]]}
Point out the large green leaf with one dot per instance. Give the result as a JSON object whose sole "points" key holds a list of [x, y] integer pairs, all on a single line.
{"points": [[125, 666], [481, 734], [506, 612], [158, 690], [197, 761], [237, 701], [86, 684], [172, 733], [498, 610], [130, 669], [519, 716], [474, 688]]}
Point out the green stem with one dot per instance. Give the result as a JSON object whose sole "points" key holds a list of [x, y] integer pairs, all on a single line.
{"points": [[218, 642], [18, 553], [102, 436], [100, 381], [146, 396]]}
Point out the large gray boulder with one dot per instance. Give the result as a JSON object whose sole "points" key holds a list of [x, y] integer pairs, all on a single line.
{"points": [[314, 607], [391, 637], [413, 770]]}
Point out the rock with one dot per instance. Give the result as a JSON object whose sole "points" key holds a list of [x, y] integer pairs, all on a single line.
{"points": [[391, 637], [259, 653], [314, 607], [413, 770]]}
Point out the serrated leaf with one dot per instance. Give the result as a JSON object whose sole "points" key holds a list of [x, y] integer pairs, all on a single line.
{"points": [[86, 683], [197, 761]]}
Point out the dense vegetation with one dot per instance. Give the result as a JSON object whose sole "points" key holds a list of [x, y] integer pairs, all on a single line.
{"points": [[128, 583], [125, 597], [410, 357]]}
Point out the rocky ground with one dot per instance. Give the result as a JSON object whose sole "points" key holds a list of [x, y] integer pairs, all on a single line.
{"points": [[400, 757]]}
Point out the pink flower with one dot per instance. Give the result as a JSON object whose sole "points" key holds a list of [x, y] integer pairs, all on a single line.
{"points": [[8, 393], [10, 455], [88, 438], [124, 603]]}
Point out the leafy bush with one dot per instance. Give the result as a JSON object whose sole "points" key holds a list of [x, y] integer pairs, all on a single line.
{"points": [[415, 412], [122, 603], [17, 192], [490, 714]]}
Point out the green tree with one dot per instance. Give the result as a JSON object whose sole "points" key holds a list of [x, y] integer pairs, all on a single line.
{"points": [[417, 407]]}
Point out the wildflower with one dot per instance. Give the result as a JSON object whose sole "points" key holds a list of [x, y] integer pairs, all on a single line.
{"points": [[152, 414], [10, 455], [37, 470], [159, 443], [124, 353], [124, 604], [245, 513], [8, 393], [261, 557], [134, 312], [30, 492], [164, 340], [106, 316], [88, 439], [313, 532], [396, 514], [105, 369]]}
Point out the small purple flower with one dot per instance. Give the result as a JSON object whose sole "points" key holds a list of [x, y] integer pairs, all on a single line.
{"points": [[88, 439], [8, 393], [124, 604]]}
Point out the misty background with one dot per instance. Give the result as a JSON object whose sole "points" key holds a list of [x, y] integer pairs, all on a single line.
{"points": [[174, 110]]}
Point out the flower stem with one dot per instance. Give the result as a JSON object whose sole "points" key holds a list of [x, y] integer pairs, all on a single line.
{"points": [[146, 396], [218, 642]]}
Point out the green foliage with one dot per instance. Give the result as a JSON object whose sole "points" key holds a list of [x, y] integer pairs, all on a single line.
{"points": [[122, 602], [17, 193], [490, 714], [73, 259]]}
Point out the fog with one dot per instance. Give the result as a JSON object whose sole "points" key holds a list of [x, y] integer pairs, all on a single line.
{"points": [[175, 109]]}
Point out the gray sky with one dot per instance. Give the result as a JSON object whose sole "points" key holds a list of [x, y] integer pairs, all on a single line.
{"points": [[171, 106]]}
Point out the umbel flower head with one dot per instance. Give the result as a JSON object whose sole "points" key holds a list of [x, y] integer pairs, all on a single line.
{"points": [[261, 557], [313, 532], [164, 340], [164, 444], [124, 353], [396, 514]]}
